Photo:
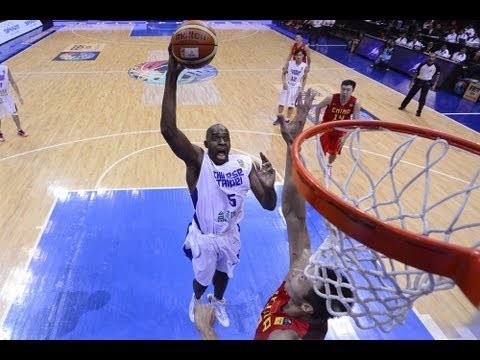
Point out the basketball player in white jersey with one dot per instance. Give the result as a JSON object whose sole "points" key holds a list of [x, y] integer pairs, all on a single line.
{"points": [[7, 105], [294, 311], [294, 77], [218, 183]]}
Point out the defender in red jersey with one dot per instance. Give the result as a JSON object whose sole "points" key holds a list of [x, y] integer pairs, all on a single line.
{"points": [[299, 45], [294, 311], [342, 106]]}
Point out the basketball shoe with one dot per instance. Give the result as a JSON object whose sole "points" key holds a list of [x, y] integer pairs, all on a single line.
{"points": [[22, 133], [191, 307], [220, 311]]}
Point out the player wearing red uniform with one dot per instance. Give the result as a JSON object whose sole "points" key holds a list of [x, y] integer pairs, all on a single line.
{"points": [[295, 311], [273, 318], [342, 106], [297, 45]]}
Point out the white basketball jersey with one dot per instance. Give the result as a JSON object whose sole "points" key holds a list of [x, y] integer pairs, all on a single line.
{"points": [[4, 81], [220, 192], [295, 73], [7, 105]]}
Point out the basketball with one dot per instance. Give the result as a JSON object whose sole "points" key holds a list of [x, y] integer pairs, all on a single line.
{"points": [[194, 44]]}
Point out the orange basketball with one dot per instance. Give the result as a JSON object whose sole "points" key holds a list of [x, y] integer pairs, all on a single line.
{"points": [[194, 44]]}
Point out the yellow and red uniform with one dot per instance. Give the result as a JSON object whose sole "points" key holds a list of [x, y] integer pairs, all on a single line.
{"points": [[273, 318]]}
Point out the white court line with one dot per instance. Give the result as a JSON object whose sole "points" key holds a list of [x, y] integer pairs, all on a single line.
{"points": [[123, 134], [72, 72], [455, 113], [126, 27], [231, 131], [97, 185]]}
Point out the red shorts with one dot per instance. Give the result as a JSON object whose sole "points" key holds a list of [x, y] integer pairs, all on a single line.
{"points": [[332, 141]]}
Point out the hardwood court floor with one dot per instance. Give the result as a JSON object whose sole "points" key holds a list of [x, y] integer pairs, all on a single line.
{"points": [[93, 126]]}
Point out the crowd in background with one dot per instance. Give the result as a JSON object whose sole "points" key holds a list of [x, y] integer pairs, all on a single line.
{"points": [[455, 40]]}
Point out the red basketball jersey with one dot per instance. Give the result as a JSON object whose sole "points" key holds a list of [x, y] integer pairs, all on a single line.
{"points": [[295, 48], [336, 111], [273, 318]]}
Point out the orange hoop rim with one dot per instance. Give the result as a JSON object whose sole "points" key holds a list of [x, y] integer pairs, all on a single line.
{"points": [[459, 263]]}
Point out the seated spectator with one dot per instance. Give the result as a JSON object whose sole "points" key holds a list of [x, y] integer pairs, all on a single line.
{"points": [[452, 36], [469, 30], [471, 67], [427, 27], [429, 48], [453, 25], [462, 37], [474, 41], [385, 56], [328, 25], [415, 44], [443, 51], [437, 31], [399, 25], [460, 56], [402, 39], [413, 28]]}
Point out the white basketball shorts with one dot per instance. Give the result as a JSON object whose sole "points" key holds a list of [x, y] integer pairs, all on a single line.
{"points": [[7, 105], [212, 252], [289, 96]]}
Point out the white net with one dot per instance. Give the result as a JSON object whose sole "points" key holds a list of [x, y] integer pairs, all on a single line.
{"points": [[426, 187]]}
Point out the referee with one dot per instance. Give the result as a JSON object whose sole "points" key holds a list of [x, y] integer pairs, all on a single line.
{"points": [[426, 75]]}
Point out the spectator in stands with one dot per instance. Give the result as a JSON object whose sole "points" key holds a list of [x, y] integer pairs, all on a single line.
{"points": [[469, 30], [460, 56], [415, 44], [328, 25], [385, 56], [443, 51], [402, 39], [472, 67], [453, 25], [427, 26], [315, 32], [413, 28], [429, 48], [462, 37], [399, 25], [437, 31], [474, 41], [452, 36]]}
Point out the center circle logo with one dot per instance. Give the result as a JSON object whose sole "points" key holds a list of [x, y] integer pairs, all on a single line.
{"points": [[153, 72]]}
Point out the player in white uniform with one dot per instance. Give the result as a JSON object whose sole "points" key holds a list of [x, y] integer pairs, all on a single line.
{"points": [[218, 183], [294, 78], [7, 105]]}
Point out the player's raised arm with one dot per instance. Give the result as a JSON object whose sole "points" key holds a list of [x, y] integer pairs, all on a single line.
{"points": [[176, 139]]}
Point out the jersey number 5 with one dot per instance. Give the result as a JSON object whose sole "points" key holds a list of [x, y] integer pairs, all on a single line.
{"points": [[232, 200]]}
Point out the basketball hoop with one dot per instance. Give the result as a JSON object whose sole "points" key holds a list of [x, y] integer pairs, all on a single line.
{"points": [[391, 253]]}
